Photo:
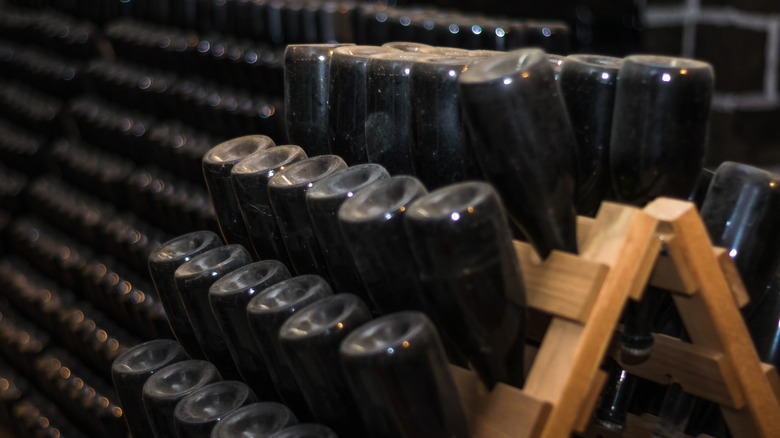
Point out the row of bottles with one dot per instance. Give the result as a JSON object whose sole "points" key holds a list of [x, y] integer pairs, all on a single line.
{"points": [[54, 32], [740, 210], [72, 299], [143, 130], [320, 175], [168, 394], [244, 64], [282, 22], [27, 411], [538, 126], [218, 295], [41, 70], [212, 108], [83, 396], [490, 92], [85, 213], [39, 114]]}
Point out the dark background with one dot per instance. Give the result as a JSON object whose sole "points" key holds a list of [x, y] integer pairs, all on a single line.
{"points": [[737, 43]]}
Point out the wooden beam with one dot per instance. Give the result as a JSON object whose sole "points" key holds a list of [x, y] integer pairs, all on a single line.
{"points": [[589, 404], [709, 322], [563, 284], [504, 412], [733, 278], [670, 277], [700, 371], [568, 360]]}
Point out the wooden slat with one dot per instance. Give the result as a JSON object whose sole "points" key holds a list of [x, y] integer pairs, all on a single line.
{"points": [[774, 380], [644, 270], [637, 426], [563, 284], [568, 360], [733, 278], [584, 225], [700, 371], [504, 412], [667, 275], [555, 360], [622, 246], [589, 404], [709, 321], [529, 354]]}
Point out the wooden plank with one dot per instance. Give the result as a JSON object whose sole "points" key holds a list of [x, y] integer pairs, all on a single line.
{"points": [[555, 360], [711, 321], [677, 255], [584, 226], [700, 371], [733, 278], [772, 376], [666, 276], [571, 353], [529, 354], [504, 412], [643, 272], [589, 404], [615, 227], [637, 426], [562, 285]]}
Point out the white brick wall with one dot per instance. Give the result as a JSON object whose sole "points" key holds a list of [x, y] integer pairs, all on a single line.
{"points": [[690, 13]]}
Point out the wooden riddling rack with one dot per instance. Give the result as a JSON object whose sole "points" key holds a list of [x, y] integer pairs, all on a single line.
{"points": [[582, 296]]}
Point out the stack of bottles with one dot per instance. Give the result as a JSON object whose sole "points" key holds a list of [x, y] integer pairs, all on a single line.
{"points": [[341, 341], [319, 281], [108, 109], [353, 228]]}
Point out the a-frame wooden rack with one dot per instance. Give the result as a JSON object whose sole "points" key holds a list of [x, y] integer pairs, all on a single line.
{"points": [[582, 296]]}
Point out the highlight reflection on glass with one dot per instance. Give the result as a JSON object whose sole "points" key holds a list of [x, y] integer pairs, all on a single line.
{"points": [[523, 140], [471, 277], [306, 70], [287, 194], [388, 110], [741, 211], [165, 388], [372, 225], [267, 311], [193, 280], [588, 84], [229, 297], [617, 394], [217, 165], [764, 324], [396, 367], [440, 150], [162, 267], [323, 201], [660, 120], [347, 101], [310, 340], [132, 369], [250, 178]]}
